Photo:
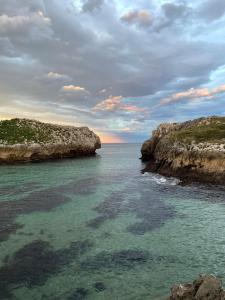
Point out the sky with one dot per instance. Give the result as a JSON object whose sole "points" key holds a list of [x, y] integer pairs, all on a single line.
{"points": [[120, 67]]}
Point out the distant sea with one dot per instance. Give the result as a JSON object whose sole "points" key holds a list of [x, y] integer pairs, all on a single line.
{"points": [[96, 228]]}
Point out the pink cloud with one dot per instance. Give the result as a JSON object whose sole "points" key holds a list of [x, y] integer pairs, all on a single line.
{"points": [[193, 94], [140, 17], [115, 104]]}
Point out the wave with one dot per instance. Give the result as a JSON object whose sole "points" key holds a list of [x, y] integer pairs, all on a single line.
{"points": [[162, 180]]}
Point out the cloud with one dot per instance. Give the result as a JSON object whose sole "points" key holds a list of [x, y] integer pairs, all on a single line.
{"points": [[173, 14], [103, 91], [73, 88], [212, 10], [175, 11], [15, 7], [91, 5], [138, 17], [192, 94], [47, 45], [54, 77], [23, 23], [113, 104], [110, 104]]}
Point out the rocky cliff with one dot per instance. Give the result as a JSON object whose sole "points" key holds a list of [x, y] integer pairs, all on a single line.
{"points": [[192, 151], [30, 140]]}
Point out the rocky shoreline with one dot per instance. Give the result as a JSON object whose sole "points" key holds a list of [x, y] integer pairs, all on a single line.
{"points": [[193, 151], [23, 140], [206, 287]]}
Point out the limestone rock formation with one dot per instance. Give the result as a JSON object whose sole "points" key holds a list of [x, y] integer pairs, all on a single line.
{"points": [[29, 140], [192, 151], [206, 287]]}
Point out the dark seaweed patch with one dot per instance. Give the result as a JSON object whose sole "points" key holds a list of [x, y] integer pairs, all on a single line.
{"points": [[106, 235], [50, 236], [38, 201], [34, 263], [151, 211], [109, 209], [79, 187], [4, 293], [99, 286], [31, 265], [124, 258], [98, 221], [15, 190], [79, 294], [76, 248], [42, 201], [5, 231]]}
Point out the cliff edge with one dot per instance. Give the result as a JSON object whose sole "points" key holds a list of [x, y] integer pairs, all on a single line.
{"points": [[29, 140], [192, 151]]}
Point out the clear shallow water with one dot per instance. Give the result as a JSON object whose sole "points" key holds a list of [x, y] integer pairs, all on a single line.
{"points": [[96, 228]]}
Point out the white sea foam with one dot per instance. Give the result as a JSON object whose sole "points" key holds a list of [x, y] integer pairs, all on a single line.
{"points": [[159, 179]]}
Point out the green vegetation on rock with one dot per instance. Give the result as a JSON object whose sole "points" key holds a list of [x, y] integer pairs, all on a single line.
{"points": [[211, 130], [22, 131]]}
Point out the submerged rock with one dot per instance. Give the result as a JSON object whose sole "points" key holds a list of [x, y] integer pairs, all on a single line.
{"points": [[191, 151], [206, 287], [30, 140]]}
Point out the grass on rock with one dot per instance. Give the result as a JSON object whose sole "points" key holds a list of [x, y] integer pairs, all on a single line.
{"points": [[212, 131]]}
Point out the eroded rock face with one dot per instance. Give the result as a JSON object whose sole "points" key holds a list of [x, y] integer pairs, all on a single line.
{"points": [[192, 151], [29, 140], [206, 287]]}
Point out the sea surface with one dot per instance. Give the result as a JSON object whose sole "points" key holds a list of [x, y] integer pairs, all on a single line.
{"points": [[96, 228]]}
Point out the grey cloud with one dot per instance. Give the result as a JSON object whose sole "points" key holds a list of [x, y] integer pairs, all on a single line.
{"points": [[90, 5], [131, 62], [6, 47], [173, 14], [212, 10], [24, 24], [18, 7], [98, 52], [128, 75], [175, 11]]}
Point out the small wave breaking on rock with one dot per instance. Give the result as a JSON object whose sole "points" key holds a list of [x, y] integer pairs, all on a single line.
{"points": [[161, 180]]}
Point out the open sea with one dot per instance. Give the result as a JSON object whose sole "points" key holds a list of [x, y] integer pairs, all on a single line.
{"points": [[96, 228]]}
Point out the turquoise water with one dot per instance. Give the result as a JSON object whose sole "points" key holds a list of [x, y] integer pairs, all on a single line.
{"points": [[96, 228]]}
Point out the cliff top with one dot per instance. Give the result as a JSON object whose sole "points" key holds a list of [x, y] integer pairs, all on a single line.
{"points": [[211, 130], [25, 131]]}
